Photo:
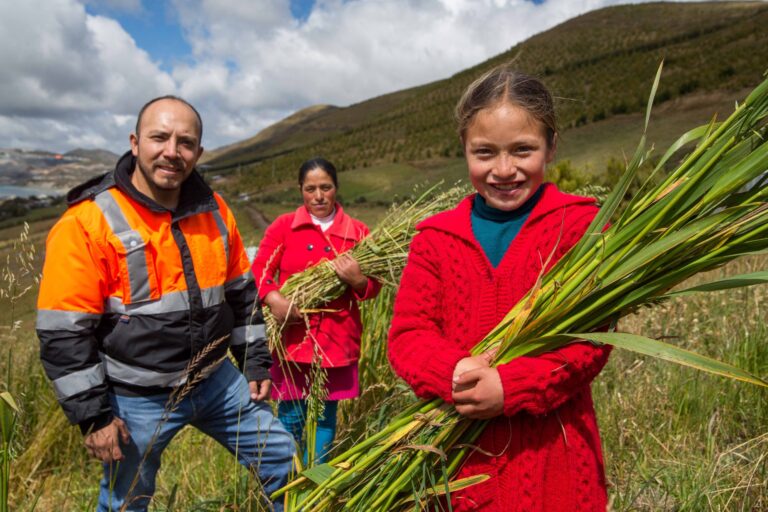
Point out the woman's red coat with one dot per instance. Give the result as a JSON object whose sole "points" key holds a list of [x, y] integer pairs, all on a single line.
{"points": [[291, 244]]}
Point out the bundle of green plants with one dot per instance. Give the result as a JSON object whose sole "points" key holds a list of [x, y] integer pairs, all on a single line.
{"points": [[711, 209], [382, 394], [376, 317], [381, 255]]}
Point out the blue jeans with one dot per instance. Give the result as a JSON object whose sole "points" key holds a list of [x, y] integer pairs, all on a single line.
{"points": [[293, 414], [221, 407]]}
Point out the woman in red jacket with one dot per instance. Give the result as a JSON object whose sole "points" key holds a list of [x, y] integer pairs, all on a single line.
{"points": [[317, 230], [466, 269]]}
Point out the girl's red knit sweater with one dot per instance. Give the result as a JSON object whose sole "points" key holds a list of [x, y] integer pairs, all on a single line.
{"points": [[543, 453]]}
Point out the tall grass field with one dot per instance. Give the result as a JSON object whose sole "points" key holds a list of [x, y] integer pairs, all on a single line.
{"points": [[673, 438]]}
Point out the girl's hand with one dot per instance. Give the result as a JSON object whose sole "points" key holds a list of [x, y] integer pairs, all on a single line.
{"points": [[282, 309], [478, 393], [348, 270], [472, 363]]}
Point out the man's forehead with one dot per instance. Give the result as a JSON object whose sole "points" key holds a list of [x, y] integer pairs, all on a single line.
{"points": [[159, 111], [165, 105]]}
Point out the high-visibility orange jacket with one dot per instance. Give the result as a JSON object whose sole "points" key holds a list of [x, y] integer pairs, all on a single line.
{"points": [[135, 298]]}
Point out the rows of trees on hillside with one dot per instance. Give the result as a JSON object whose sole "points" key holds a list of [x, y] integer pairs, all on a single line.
{"points": [[598, 65]]}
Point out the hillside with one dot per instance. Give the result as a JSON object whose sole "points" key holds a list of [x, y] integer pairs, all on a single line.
{"points": [[46, 170], [101, 156], [296, 128], [599, 65]]}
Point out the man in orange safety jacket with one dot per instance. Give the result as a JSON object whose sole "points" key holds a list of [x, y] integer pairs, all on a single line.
{"points": [[145, 287]]}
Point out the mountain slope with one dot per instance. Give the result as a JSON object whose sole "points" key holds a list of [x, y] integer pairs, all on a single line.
{"points": [[296, 128], [599, 65]]}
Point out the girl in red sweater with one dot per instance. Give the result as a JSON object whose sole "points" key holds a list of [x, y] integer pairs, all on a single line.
{"points": [[466, 269]]}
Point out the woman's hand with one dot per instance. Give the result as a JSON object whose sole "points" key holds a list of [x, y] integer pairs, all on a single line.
{"points": [[348, 270], [282, 309]]}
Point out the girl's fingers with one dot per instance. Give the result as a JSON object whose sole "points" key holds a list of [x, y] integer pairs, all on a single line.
{"points": [[468, 376]]}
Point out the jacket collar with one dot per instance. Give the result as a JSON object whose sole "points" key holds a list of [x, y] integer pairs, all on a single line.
{"points": [[196, 196], [458, 222], [342, 223]]}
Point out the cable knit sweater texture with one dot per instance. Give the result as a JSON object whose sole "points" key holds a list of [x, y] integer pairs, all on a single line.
{"points": [[543, 453]]}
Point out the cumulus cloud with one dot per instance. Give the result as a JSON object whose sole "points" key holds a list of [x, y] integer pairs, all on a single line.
{"points": [[73, 78], [253, 67], [66, 74]]}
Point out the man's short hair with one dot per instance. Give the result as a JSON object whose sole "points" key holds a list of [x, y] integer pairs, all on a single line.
{"points": [[174, 98]]}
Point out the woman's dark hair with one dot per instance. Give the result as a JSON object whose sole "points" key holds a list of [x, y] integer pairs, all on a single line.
{"points": [[318, 163], [503, 83]]}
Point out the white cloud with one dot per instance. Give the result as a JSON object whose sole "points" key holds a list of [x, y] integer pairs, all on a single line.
{"points": [[74, 78], [65, 73], [345, 52]]}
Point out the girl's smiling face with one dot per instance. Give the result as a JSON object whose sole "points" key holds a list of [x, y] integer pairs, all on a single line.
{"points": [[507, 153]]}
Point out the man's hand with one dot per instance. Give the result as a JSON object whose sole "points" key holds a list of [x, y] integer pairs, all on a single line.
{"points": [[348, 270], [104, 443], [260, 389], [282, 309], [479, 394]]}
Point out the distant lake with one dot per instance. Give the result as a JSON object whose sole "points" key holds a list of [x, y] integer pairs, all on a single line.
{"points": [[10, 191]]}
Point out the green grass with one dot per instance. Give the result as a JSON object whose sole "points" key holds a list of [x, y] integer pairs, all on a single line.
{"points": [[673, 439], [34, 215], [591, 146]]}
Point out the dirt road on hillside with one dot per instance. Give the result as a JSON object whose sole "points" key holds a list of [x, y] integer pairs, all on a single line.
{"points": [[257, 217]]}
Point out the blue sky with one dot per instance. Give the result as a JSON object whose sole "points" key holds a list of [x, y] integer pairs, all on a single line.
{"points": [[301, 8], [75, 72], [155, 27]]}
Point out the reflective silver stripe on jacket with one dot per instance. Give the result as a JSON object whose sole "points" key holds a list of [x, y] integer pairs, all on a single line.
{"points": [[223, 232], [240, 282], [139, 376], [79, 381], [138, 275], [247, 334], [73, 321], [168, 303]]}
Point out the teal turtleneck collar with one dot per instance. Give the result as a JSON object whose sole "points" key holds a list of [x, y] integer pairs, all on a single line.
{"points": [[495, 229]]}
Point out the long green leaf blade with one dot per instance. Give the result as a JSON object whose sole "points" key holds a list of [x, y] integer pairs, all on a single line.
{"points": [[319, 473], [667, 352], [652, 96], [738, 281]]}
